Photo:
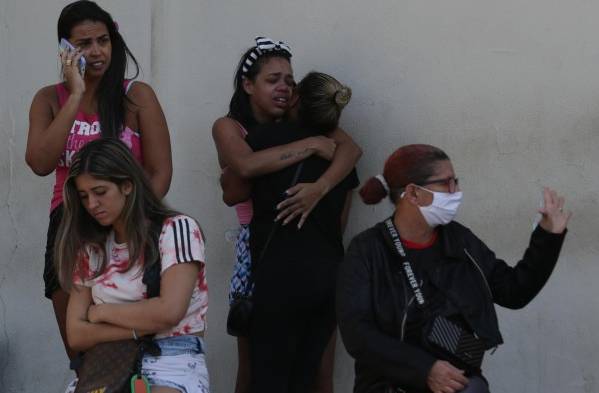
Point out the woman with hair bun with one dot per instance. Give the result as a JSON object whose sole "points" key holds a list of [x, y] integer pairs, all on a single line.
{"points": [[264, 86], [293, 316], [321, 98], [416, 293], [316, 107]]}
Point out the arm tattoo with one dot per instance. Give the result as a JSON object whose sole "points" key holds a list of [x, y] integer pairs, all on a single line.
{"points": [[286, 156]]}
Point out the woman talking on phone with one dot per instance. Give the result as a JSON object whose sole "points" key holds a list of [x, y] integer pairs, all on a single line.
{"points": [[91, 103]]}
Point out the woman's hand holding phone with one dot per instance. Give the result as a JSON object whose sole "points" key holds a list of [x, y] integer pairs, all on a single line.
{"points": [[65, 45], [70, 59]]}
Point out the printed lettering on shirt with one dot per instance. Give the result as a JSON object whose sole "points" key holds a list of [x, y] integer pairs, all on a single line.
{"points": [[67, 157], [95, 128], [75, 126], [84, 128], [74, 143]]}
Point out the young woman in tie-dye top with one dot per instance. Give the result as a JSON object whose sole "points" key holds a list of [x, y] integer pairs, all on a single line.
{"points": [[132, 266]]}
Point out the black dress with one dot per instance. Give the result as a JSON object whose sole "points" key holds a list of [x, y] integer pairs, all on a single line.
{"points": [[294, 315]]}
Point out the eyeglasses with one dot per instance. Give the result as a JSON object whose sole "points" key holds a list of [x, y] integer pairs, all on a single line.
{"points": [[452, 183]]}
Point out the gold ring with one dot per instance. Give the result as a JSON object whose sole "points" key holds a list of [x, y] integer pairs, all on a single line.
{"points": [[68, 62]]}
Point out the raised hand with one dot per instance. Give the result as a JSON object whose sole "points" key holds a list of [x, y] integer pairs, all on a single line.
{"points": [[554, 218]]}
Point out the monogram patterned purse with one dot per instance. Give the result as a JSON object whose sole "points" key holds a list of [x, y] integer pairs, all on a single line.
{"points": [[108, 367]]}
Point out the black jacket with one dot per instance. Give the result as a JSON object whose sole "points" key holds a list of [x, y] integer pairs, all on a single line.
{"points": [[372, 296]]}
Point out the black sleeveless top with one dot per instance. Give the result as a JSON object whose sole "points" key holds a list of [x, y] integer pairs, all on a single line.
{"points": [[320, 238]]}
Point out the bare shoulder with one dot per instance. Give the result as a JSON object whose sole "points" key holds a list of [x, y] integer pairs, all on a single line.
{"points": [[141, 93], [47, 94], [225, 121], [45, 102], [225, 125]]}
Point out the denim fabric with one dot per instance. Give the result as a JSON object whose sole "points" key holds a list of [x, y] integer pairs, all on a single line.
{"points": [[179, 345], [240, 281], [181, 365]]}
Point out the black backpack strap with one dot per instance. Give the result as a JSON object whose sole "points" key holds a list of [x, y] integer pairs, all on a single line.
{"points": [[151, 276]]}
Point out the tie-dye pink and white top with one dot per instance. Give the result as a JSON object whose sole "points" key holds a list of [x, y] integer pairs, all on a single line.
{"points": [[180, 242], [85, 129]]}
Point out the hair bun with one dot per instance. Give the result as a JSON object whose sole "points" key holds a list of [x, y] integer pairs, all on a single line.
{"points": [[373, 191], [342, 96]]}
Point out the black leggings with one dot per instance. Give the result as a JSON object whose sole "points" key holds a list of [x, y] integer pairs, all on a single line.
{"points": [[292, 321], [51, 283]]}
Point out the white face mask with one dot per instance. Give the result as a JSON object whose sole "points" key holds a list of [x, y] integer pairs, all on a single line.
{"points": [[443, 208]]}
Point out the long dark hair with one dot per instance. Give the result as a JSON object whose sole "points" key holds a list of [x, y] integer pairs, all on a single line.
{"points": [[239, 107], [111, 96], [143, 213]]}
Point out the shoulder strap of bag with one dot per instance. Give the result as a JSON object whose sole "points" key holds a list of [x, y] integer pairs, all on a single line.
{"points": [[275, 226], [392, 239], [151, 276]]}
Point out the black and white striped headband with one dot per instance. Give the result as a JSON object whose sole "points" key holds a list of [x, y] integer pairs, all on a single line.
{"points": [[263, 45]]}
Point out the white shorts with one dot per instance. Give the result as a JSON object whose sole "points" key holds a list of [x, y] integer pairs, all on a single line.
{"points": [[181, 365]]}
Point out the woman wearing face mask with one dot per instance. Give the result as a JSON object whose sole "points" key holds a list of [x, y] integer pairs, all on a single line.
{"points": [[416, 293]]}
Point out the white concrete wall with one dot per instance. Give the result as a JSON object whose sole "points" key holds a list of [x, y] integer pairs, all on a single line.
{"points": [[509, 89]]}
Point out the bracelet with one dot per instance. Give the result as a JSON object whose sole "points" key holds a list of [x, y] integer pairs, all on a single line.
{"points": [[135, 337]]}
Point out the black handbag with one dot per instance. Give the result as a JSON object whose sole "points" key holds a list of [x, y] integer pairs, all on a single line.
{"points": [[238, 318], [454, 341], [447, 336], [240, 310]]}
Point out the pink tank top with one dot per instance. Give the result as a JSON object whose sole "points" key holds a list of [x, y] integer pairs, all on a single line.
{"points": [[244, 210], [86, 128]]}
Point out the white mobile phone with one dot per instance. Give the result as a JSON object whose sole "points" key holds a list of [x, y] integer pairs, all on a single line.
{"points": [[66, 45]]}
